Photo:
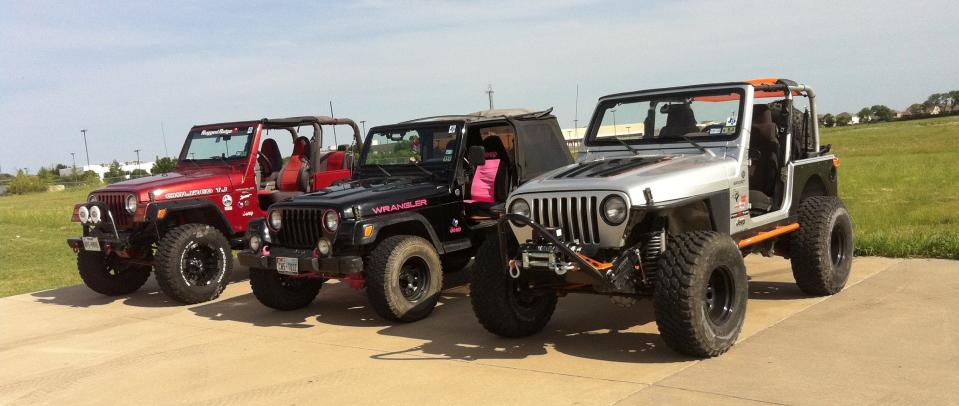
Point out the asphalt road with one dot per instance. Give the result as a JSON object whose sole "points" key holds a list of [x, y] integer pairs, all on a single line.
{"points": [[891, 337]]}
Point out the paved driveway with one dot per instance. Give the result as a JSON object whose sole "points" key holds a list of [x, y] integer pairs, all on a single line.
{"points": [[891, 337]]}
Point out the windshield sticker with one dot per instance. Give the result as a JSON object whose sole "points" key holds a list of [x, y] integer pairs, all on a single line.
{"points": [[729, 130], [731, 121], [221, 131], [716, 130], [401, 206], [188, 193], [452, 128]]}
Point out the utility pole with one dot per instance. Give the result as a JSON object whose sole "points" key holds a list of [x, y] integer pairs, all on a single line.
{"points": [[84, 131], [489, 93], [363, 124], [163, 133], [138, 158], [576, 115], [614, 121]]}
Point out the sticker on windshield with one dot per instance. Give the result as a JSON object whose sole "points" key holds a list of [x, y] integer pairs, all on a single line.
{"points": [[731, 121], [716, 130], [452, 128], [729, 130]]}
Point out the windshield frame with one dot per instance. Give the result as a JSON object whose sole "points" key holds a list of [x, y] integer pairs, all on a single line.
{"points": [[251, 137], [590, 139], [448, 167]]}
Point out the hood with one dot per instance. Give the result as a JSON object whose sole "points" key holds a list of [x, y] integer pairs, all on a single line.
{"points": [[377, 196], [174, 185], [669, 177]]}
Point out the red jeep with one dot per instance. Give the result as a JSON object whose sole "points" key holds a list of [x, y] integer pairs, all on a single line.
{"points": [[184, 224]]}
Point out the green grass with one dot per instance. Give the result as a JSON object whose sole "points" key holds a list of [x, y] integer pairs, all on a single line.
{"points": [[900, 183], [33, 249], [898, 179]]}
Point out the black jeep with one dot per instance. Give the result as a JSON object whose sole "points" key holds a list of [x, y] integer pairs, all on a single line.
{"points": [[420, 195]]}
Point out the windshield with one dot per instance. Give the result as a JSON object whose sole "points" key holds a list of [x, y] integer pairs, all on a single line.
{"points": [[429, 145], [701, 116], [218, 144]]}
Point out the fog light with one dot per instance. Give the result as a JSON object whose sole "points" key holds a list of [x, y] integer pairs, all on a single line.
{"points": [[323, 247], [95, 215], [256, 243], [83, 214]]}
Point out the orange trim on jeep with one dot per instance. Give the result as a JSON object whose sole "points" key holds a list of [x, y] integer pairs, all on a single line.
{"points": [[756, 95], [763, 236]]}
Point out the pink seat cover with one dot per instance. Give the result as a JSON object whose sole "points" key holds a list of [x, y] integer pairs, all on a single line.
{"points": [[482, 188]]}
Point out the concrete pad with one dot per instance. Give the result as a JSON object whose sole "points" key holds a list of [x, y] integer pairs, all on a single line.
{"points": [[892, 339], [73, 346]]}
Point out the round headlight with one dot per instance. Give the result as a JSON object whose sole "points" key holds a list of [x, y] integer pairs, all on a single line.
{"points": [[276, 220], [95, 215], [331, 220], [92, 198], [83, 214], [131, 203], [614, 210], [519, 206], [323, 247], [256, 243]]}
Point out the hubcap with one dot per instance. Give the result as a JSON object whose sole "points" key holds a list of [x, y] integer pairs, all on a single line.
{"points": [[414, 279], [199, 265], [718, 305], [837, 246]]}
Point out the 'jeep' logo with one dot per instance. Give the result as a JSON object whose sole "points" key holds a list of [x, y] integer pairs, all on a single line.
{"points": [[401, 206]]}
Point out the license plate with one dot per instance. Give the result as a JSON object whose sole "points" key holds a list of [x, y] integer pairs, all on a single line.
{"points": [[287, 266], [91, 244]]}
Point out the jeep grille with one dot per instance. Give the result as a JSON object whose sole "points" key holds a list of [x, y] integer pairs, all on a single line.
{"points": [[117, 204], [577, 216], [302, 227]]}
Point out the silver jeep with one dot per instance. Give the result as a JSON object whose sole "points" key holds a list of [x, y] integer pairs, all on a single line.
{"points": [[673, 187]]}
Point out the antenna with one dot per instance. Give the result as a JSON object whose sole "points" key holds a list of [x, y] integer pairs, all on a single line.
{"points": [[489, 93], [334, 125], [163, 133]]}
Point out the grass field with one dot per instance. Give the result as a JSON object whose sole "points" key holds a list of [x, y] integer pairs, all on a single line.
{"points": [[898, 179], [900, 183]]}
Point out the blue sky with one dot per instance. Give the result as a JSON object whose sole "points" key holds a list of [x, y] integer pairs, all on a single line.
{"points": [[121, 68]]}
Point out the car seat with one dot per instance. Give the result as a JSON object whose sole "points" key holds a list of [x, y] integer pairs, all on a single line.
{"points": [[490, 183], [295, 176], [270, 161], [680, 120], [764, 155]]}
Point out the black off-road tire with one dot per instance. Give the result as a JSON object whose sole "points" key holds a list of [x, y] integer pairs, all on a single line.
{"points": [[111, 276], [498, 300], [701, 292], [174, 267], [409, 261], [821, 251], [283, 292]]}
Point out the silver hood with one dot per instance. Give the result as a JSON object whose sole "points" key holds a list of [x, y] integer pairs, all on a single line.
{"points": [[669, 177]]}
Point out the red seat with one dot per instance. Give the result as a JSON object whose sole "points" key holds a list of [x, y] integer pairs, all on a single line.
{"points": [[295, 174]]}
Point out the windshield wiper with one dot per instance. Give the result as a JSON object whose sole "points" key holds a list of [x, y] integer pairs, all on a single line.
{"points": [[192, 161], [626, 144], [426, 171], [694, 143]]}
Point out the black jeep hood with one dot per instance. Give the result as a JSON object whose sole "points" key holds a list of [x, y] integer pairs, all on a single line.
{"points": [[376, 196]]}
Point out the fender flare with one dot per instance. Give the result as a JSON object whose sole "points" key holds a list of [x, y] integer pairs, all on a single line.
{"points": [[179, 206], [381, 222]]}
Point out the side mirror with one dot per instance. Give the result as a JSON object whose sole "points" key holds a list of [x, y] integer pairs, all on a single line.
{"points": [[476, 156]]}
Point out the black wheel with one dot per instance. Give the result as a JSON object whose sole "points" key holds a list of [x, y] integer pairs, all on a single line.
{"points": [[283, 292], [700, 296], [503, 305], [193, 263], [821, 250], [404, 278], [110, 276]]}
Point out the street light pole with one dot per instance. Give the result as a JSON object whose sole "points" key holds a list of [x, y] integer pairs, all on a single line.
{"points": [[73, 155], [363, 123], [138, 158], [84, 131]]}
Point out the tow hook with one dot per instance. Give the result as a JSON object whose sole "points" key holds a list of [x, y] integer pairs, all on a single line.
{"points": [[513, 269]]}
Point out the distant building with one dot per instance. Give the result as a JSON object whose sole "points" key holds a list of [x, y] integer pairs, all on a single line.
{"points": [[101, 170]]}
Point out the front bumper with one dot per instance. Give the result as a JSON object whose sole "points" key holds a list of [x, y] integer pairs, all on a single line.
{"points": [[307, 265]]}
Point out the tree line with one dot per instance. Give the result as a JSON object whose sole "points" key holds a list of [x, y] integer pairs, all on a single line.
{"points": [[23, 182], [936, 103]]}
